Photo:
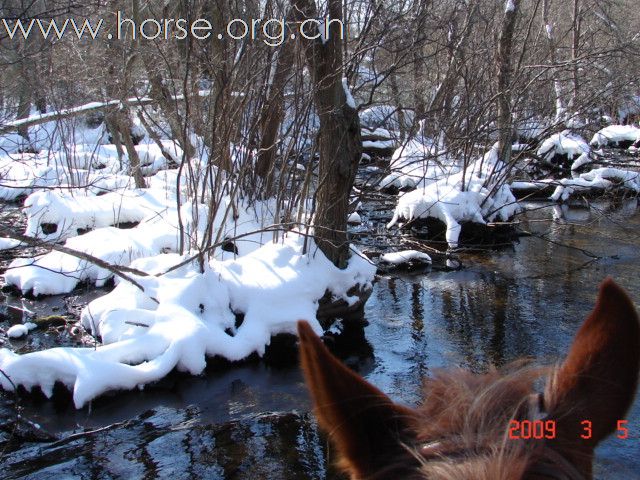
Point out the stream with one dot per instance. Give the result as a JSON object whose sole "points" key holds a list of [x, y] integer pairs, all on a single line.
{"points": [[253, 420]]}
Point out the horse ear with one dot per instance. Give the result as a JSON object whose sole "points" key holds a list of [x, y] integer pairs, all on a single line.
{"points": [[365, 426], [595, 385]]}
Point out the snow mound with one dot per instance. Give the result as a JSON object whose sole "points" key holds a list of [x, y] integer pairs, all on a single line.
{"points": [[22, 174], [56, 272], [186, 315], [414, 164], [19, 330], [614, 135], [405, 256], [71, 210], [600, 178], [563, 144], [465, 196]]}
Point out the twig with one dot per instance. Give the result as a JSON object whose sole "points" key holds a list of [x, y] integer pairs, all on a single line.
{"points": [[120, 270]]}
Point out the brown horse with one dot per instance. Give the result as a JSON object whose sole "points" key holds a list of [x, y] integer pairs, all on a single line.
{"points": [[495, 426]]}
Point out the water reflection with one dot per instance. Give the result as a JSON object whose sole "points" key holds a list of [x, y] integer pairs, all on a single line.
{"points": [[525, 302], [173, 443]]}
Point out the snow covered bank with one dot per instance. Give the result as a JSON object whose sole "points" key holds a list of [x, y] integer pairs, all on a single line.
{"points": [[464, 196], [616, 135], [158, 232], [184, 316], [71, 211], [604, 178], [596, 181], [562, 148]]}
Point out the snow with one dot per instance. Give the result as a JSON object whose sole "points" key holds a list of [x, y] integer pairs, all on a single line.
{"points": [[81, 165], [21, 329], [354, 219], [17, 331], [582, 160], [509, 6], [563, 143], [614, 134], [452, 202], [414, 164], [405, 256], [57, 272], [71, 210], [379, 132], [78, 183], [186, 315], [347, 92], [7, 243], [600, 178], [535, 185], [51, 117]]}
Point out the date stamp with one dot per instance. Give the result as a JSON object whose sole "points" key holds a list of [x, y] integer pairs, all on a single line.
{"points": [[547, 429]]}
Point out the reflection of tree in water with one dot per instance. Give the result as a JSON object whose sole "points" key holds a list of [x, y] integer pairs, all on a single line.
{"points": [[286, 446], [166, 443], [481, 318]]}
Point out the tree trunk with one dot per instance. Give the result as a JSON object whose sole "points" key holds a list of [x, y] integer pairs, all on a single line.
{"points": [[574, 53], [271, 118], [557, 87], [125, 129], [503, 60], [339, 140]]}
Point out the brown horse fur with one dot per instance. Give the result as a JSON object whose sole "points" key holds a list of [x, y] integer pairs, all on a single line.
{"points": [[461, 429]]}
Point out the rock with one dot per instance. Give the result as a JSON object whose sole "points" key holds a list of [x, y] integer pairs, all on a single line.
{"points": [[354, 219], [404, 260], [329, 308]]}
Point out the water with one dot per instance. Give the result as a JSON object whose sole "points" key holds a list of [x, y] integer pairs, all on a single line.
{"points": [[253, 421]]}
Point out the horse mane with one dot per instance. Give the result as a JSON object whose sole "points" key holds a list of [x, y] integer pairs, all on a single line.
{"points": [[464, 417]]}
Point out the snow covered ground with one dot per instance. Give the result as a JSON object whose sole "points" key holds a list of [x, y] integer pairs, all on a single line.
{"points": [[614, 135], [184, 316], [415, 163], [162, 318], [171, 311], [474, 195]]}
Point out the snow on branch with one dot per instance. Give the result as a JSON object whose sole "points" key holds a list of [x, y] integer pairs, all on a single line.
{"points": [[82, 110]]}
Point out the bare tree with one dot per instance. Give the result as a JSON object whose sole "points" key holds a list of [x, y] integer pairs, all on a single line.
{"points": [[504, 74], [340, 147]]}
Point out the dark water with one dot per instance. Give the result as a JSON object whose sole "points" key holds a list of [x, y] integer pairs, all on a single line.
{"points": [[253, 421]]}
